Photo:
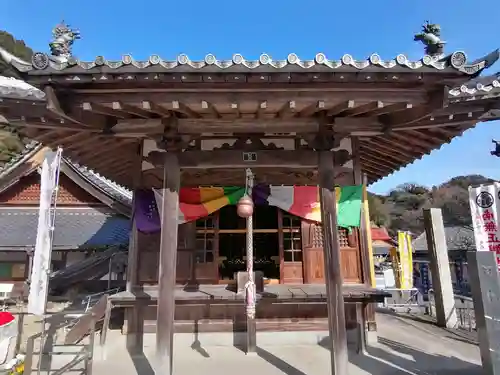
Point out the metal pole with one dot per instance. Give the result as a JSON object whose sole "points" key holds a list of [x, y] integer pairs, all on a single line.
{"points": [[110, 266], [250, 285]]}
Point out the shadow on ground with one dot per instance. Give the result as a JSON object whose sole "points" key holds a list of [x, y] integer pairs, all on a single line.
{"points": [[459, 334], [390, 357]]}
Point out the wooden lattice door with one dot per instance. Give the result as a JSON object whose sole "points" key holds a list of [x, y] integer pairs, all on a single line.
{"points": [[314, 266]]}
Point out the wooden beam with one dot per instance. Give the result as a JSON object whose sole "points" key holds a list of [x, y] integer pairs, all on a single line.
{"points": [[299, 159], [261, 109], [423, 139], [110, 151], [169, 214], [235, 108], [415, 144], [287, 110], [218, 94], [371, 127], [130, 109], [44, 123], [184, 109], [155, 108], [102, 110], [139, 127], [197, 126], [385, 149], [363, 109], [313, 108], [204, 125], [54, 106], [64, 140], [212, 111], [380, 170], [384, 162], [333, 271], [437, 100], [339, 108], [390, 108]]}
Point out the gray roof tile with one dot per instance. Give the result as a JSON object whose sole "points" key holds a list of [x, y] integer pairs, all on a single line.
{"points": [[74, 228], [457, 238], [456, 61], [111, 188]]}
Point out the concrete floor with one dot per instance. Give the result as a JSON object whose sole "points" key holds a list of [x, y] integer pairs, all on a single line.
{"points": [[405, 347]]}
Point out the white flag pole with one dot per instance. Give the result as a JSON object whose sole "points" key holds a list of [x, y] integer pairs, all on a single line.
{"points": [[41, 268]]}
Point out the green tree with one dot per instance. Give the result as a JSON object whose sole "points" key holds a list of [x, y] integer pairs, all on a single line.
{"points": [[16, 47], [404, 204], [11, 143]]}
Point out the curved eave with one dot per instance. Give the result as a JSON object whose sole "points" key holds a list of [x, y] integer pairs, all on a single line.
{"points": [[479, 88], [43, 64], [383, 155]]}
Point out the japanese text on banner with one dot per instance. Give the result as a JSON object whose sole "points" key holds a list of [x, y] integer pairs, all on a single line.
{"points": [[485, 211]]}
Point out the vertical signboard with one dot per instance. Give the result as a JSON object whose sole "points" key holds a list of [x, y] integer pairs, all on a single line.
{"points": [[485, 208], [43, 247]]}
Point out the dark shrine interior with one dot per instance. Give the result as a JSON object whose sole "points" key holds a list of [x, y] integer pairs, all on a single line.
{"points": [[232, 241]]}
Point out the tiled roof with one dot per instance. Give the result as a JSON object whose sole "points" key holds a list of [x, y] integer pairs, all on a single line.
{"points": [[15, 88], [29, 150], [380, 234], [74, 228], [481, 87], [457, 238], [182, 63], [109, 187]]}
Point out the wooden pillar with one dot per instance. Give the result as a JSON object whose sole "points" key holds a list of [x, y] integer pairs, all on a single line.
{"points": [[446, 314], [189, 232], [335, 298], [134, 324], [365, 247], [167, 267]]}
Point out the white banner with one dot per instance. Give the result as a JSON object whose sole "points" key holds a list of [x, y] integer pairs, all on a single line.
{"points": [[41, 258], [485, 210]]}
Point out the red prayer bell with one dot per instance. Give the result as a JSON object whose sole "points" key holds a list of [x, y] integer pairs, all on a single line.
{"points": [[245, 207]]}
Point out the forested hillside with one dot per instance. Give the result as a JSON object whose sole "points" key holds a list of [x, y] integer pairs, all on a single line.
{"points": [[402, 208], [10, 142]]}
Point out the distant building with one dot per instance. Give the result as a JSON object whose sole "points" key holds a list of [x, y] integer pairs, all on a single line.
{"points": [[92, 220], [382, 242], [459, 240]]}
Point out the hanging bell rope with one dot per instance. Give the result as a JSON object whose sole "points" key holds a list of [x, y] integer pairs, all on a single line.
{"points": [[245, 205]]}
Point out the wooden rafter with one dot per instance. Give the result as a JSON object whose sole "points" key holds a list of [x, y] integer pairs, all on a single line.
{"points": [[130, 109], [103, 110]]}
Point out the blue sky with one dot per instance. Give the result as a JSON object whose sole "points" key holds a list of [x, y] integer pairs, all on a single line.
{"points": [[112, 28]]}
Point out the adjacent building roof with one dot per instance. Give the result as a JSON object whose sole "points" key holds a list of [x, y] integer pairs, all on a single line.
{"points": [[457, 238], [105, 190], [75, 228], [15, 88]]}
